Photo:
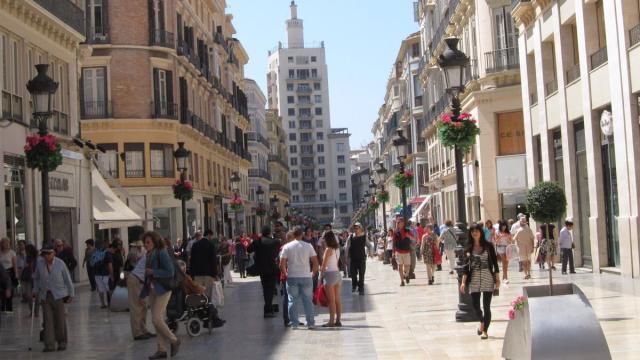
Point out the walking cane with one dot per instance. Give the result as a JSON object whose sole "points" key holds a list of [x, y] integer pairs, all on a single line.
{"points": [[33, 313]]}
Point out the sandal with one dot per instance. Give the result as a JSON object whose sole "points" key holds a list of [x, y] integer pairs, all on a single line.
{"points": [[328, 325], [484, 336], [337, 324]]}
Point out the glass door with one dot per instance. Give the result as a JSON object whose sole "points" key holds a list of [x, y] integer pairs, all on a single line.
{"points": [[611, 200], [582, 182]]}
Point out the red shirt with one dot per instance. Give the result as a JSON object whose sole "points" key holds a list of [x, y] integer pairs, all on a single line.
{"points": [[403, 234]]}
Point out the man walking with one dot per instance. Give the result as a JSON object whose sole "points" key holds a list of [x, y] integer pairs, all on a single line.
{"points": [[294, 263], [102, 263], [566, 245], [65, 254], [356, 245], [135, 265], [449, 239], [266, 252], [204, 263], [54, 287], [402, 249]]}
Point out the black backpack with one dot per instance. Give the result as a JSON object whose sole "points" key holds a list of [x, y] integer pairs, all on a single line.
{"points": [[175, 281], [404, 243]]}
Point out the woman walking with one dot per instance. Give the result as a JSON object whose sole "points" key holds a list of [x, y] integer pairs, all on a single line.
{"points": [[481, 276], [158, 269], [430, 249], [503, 239], [389, 246], [331, 278], [9, 261]]}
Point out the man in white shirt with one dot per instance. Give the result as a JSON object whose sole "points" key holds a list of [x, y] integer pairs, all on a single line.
{"points": [[566, 246], [294, 263], [514, 229]]}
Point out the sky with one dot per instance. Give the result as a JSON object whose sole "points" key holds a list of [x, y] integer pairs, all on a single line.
{"points": [[362, 38]]}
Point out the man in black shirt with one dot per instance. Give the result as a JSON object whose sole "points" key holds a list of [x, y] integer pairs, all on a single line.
{"points": [[356, 249], [266, 251], [204, 263]]}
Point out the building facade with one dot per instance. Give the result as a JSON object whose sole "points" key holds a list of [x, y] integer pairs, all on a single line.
{"points": [[298, 87], [278, 165], [495, 169], [580, 91], [42, 32], [157, 73]]}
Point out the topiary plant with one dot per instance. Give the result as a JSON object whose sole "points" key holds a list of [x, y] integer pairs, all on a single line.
{"points": [[546, 202]]}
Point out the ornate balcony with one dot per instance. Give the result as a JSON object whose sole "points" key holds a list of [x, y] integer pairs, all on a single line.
{"points": [[161, 38], [502, 60]]}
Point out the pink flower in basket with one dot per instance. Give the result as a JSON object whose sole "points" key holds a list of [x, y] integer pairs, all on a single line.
{"points": [[446, 118], [512, 314], [457, 124], [464, 116]]}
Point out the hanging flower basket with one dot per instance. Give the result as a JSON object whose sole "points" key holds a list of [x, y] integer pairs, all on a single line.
{"points": [[43, 152], [403, 179], [260, 211], [516, 305], [275, 215], [374, 205], [182, 190], [461, 133], [383, 196], [235, 204]]}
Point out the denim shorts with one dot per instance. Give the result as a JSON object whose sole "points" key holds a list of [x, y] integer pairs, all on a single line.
{"points": [[332, 278]]}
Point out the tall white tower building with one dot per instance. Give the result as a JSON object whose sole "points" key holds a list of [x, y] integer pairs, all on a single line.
{"points": [[298, 87]]}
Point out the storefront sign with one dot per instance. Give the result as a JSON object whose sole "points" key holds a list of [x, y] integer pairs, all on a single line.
{"points": [[71, 154], [606, 123], [61, 184], [511, 173]]}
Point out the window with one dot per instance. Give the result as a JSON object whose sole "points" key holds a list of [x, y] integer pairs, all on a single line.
{"points": [[293, 149], [134, 160], [602, 39], [296, 198], [318, 111], [317, 99], [292, 74], [289, 87], [94, 93], [322, 185], [308, 186], [340, 159], [292, 124], [504, 28], [314, 73], [294, 186], [163, 93], [290, 99], [292, 137], [342, 197], [344, 209], [305, 136], [320, 136], [316, 86], [304, 112], [320, 160], [323, 197], [319, 123], [290, 59], [342, 172], [342, 184], [308, 174], [304, 99], [108, 161], [340, 147], [313, 59], [320, 147], [294, 174], [293, 161], [291, 112], [306, 149], [95, 17], [321, 173], [309, 198], [161, 160], [415, 50]]}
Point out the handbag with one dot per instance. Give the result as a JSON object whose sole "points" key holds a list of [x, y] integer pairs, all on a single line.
{"points": [[394, 263], [320, 297], [217, 294]]}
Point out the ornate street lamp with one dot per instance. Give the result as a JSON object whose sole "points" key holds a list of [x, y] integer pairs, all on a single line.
{"points": [[235, 186], [453, 63], [260, 198], [273, 203], [372, 188], [401, 143], [287, 216], [381, 171], [42, 88], [181, 154]]}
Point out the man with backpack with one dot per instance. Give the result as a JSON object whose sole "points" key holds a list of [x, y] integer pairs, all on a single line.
{"points": [[356, 250], [102, 263]]}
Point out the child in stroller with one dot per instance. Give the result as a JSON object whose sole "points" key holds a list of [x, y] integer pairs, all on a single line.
{"points": [[188, 304]]}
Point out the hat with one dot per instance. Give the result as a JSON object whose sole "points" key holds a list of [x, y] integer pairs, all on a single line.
{"points": [[569, 220], [46, 249], [136, 243], [357, 224]]}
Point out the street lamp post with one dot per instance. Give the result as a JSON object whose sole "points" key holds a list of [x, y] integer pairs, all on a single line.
{"points": [[260, 197], [273, 203], [287, 216], [400, 143], [42, 88], [372, 187], [382, 178], [367, 198], [453, 63], [181, 154], [235, 186]]}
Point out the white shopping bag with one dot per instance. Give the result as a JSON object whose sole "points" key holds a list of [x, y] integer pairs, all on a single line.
{"points": [[217, 294]]}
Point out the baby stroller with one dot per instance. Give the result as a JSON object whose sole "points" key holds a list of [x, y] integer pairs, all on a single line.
{"points": [[193, 310]]}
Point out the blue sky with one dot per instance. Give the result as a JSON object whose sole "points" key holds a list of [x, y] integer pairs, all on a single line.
{"points": [[361, 37]]}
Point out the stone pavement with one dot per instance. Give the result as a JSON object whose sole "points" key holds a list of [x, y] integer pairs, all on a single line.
{"points": [[389, 322]]}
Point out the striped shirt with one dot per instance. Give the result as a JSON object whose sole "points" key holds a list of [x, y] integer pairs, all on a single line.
{"points": [[481, 277]]}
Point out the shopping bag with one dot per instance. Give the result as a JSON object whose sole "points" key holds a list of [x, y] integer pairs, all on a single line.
{"points": [[320, 298], [217, 294]]}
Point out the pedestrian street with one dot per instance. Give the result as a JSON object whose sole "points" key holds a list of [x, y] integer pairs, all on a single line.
{"points": [[389, 322]]}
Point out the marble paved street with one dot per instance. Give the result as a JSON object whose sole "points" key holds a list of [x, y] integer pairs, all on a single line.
{"points": [[389, 322]]}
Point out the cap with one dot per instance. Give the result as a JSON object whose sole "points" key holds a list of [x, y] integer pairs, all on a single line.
{"points": [[569, 220], [46, 249], [357, 224]]}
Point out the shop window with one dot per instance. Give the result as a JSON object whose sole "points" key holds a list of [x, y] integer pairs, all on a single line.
{"points": [[134, 160], [161, 160]]}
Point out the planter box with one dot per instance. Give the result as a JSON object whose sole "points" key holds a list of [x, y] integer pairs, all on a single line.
{"points": [[562, 326]]}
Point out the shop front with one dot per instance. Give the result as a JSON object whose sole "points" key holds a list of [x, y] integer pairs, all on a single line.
{"points": [[512, 185], [15, 219]]}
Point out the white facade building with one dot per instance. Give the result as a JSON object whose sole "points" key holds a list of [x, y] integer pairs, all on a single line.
{"points": [[298, 87]]}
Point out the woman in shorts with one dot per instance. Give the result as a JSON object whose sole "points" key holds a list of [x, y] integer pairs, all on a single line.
{"points": [[331, 278], [503, 239]]}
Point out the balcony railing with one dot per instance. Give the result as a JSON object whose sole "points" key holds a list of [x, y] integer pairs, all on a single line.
{"points": [[66, 11], [164, 110], [550, 87], [502, 60], [599, 57], [573, 74], [98, 35], [259, 173], [252, 136], [137, 173], [162, 173], [304, 89], [634, 35], [437, 108], [305, 116], [279, 160], [471, 71], [278, 187], [162, 38], [95, 109], [184, 49]]}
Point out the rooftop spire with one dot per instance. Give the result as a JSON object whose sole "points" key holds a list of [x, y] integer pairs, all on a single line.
{"points": [[294, 10]]}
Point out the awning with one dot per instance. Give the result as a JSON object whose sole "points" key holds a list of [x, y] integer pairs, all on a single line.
{"points": [[108, 210], [425, 201]]}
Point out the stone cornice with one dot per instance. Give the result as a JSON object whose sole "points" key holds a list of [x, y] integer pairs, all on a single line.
{"points": [[523, 13]]}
